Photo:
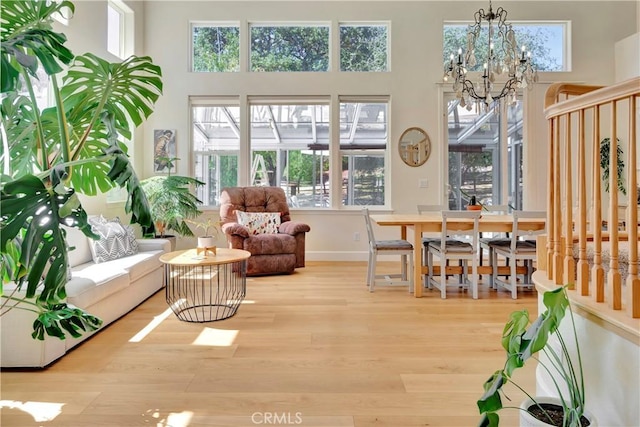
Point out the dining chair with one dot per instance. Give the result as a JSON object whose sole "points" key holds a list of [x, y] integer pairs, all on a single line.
{"points": [[485, 241], [426, 239], [404, 248], [520, 247], [450, 248]]}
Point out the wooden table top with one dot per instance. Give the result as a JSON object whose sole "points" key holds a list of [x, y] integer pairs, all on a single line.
{"points": [[191, 257], [433, 221]]}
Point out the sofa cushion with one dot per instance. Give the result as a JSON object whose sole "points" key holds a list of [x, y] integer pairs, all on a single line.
{"points": [[116, 241], [260, 222], [139, 264], [270, 244], [92, 283]]}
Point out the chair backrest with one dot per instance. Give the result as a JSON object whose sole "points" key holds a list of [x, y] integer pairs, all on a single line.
{"points": [[253, 199], [460, 223], [367, 220], [522, 229]]}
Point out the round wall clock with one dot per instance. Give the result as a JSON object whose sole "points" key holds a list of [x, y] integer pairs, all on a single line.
{"points": [[414, 146]]}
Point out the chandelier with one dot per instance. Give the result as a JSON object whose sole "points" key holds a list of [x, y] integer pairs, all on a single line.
{"points": [[502, 56]]}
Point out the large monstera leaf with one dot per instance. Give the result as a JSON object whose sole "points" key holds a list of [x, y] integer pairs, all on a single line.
{"points": [[26, 26], [32, 213], [93, 86], [18, 120], [40, 209]]}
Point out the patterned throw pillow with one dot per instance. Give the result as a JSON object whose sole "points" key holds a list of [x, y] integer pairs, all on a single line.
{"points": [[116, 240], [259, 222]]}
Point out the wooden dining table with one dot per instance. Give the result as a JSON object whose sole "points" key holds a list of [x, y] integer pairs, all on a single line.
{"points": [[432, 222]]}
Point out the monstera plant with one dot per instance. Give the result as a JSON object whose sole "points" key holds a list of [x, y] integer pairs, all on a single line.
{"points": [[50, 155]]}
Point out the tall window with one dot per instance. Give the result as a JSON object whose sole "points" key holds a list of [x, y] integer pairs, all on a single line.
{"points": [[364, 47], [548, 43], [215, 48], [485, 151], [289, 47], [364, 136], [289, 149], [119, 29], [216, 147]]}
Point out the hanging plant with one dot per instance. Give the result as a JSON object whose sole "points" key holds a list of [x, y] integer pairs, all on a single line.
{"points": [[604, 164]]}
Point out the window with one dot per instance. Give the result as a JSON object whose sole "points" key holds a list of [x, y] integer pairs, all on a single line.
{"points": [[216, 147], [548, 43], [364, 47], [485, 151], [119, 29], [289, 47], [215, 48], [289, 149], [363, 142]]}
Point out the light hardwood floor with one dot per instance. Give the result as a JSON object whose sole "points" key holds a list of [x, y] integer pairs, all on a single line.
{"points": [[314, 348]]}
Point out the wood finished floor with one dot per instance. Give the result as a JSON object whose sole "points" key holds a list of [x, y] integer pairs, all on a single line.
{"points": [[314, 348]]}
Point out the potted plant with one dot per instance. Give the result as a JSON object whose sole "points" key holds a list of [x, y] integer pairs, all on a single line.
{"points": [[51, 155], [171, 201], [210, 231], [522, 340], [605, 147]]}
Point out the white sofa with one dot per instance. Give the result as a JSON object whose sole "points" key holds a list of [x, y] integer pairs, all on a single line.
{"points": [[107, 290]]}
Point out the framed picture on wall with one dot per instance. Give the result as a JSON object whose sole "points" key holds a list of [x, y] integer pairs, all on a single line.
{"points": [[164, 150]]}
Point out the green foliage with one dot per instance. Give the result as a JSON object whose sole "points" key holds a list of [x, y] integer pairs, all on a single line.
{"points": [[304, 48], [535, 38], [216, 49], [522, 340], [50, 156], [172, 202], [209, 226], [605, 147], [363, 48]]}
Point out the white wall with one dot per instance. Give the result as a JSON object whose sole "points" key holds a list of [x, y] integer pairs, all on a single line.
{"points": [[612, 394], [414, 84]]}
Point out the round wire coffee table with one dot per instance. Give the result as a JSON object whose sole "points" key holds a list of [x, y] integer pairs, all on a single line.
{"points": [[205, 288]]}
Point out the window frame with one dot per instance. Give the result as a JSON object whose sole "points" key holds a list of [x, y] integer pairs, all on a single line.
{"points": [[291, 24], [214, 24], [125, 33], [386, 24]]}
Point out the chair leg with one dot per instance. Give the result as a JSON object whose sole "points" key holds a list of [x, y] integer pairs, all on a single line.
{"points": [[425, 262], [494, 269], [492, 284], [514, 280], [430, 267], [403, 267], [372, 271], [412, 282], [474, 277], [443, 278]]}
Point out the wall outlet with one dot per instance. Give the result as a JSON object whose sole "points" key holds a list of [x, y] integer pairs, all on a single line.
{"points": [[423, 183], [356, 236]]}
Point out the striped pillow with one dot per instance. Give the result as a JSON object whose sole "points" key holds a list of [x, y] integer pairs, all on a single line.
{"points": [[116, 240]]}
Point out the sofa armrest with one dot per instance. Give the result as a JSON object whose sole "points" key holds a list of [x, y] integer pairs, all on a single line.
{"points": [[235, 229], [293, 228], [145, 245]]}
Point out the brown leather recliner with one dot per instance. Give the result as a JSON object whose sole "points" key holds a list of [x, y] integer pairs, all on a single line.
{"points": [[277, 253]]}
